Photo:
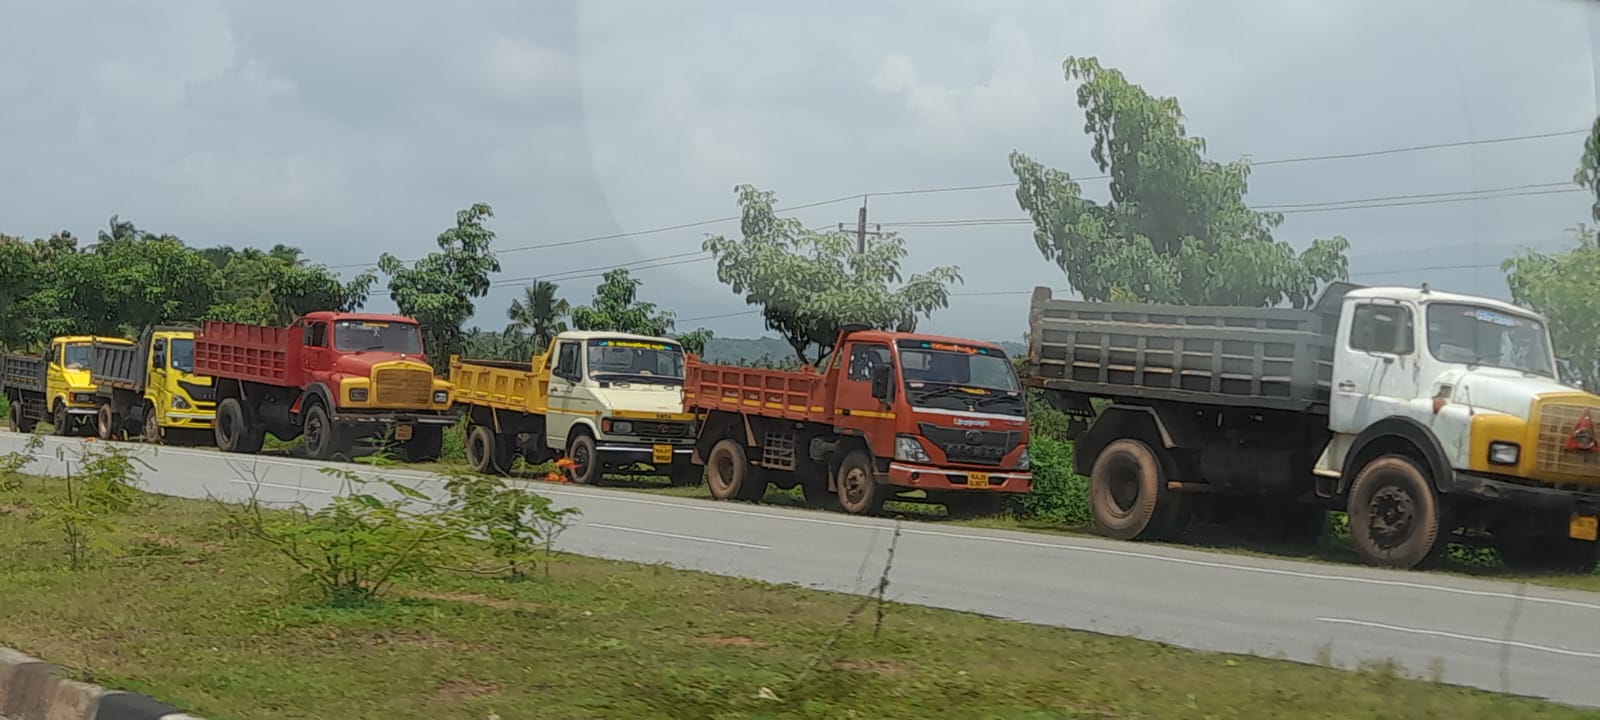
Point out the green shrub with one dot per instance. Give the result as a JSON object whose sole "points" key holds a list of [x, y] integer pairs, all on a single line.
{"points": [[1059, 494]]}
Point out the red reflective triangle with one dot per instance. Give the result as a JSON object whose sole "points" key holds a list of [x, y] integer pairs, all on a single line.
{"points": [[1582, 438]]}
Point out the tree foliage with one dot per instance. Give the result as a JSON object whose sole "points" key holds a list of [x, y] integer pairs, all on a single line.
{"points": [[810, 283], [276, 286], [1176, 228], [438, 289], [1565, 288], [1588, 174], [616, 307], [540, 313]]}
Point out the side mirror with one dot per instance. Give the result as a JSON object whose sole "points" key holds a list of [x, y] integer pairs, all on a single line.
{"points": [[882, 381], [160, 360]]}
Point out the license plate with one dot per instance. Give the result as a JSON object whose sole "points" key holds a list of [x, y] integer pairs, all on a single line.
{"points": [[1584, 527], [661, 454], [977, 480], [402, 433]]}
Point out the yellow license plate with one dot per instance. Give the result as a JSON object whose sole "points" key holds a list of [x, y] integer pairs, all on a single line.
{"points": [[402, 433], [1584, 527], [977, 480], [661, 454]]}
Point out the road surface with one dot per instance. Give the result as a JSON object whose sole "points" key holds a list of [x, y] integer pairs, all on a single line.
{"points": [[1499, 636]]}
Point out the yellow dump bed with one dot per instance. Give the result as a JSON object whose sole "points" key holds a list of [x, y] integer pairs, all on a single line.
{"points": [[514, 386]]}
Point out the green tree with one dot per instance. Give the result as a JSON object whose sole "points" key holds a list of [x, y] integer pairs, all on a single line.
{"points": [[616, 307], [275, 286], [1588, 174], [810, 283], [438, 289], [694, 341], [1176, 228], [1565, 288], [540, 313]]}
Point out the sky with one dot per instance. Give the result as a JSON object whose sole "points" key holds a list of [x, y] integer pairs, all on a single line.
{"points": [[360, 127]]}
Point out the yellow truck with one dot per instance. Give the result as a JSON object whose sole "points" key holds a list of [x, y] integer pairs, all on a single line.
{"points": [[611, 403], [54, 387], [150, 388]]}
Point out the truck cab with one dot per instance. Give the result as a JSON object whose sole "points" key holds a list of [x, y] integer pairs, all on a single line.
{"points": [[957, 410], [70, 393], [1473, 384], [615, 401], [181, 399], [150, 388]]}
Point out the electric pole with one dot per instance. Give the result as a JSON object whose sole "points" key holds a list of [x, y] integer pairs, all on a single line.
{"points": [[861, 228]]}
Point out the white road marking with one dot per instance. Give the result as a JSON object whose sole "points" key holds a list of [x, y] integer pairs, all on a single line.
{"points": [[658, 533], [1459, 636], [301, 488]]}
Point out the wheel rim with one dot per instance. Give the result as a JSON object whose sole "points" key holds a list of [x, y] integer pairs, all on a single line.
{"points": [[476, 452], [1122, 484], [720, 471], [103, 420], [225, 426], [854, 485], [152, 429], [1393, 514], [581, 458], [315, 433]]}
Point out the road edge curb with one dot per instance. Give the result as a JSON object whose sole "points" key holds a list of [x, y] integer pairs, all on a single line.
{"points": [[32, 689]]}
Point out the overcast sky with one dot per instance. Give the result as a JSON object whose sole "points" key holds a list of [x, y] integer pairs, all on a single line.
{"points": [[358, 127]]}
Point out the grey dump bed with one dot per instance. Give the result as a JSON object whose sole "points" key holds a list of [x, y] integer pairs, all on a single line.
{"points": [[23, 372], [1265, 358], [123, 366]]}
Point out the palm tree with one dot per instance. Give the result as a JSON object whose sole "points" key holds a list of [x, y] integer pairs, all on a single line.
{"points": [[539, 313]]}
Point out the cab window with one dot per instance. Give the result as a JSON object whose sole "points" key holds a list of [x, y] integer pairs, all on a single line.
{"points": [[864, 358], [1382, 329]]}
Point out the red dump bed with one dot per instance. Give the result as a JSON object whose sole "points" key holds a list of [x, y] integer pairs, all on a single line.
{"points": [[253, 353], [771, 393]]}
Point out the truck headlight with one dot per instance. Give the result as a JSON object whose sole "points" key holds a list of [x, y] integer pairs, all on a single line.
{"points": [[178, 403], [622, 427], [358, 394], [1025, 462], [1504, 453], [83, 398], [907, 449], [441, 397]]}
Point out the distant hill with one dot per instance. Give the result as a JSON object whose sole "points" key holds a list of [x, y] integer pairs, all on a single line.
{"points": [[746, 351]]}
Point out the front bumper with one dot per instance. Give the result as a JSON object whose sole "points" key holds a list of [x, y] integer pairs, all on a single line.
{"points": [[614, 454], [386, 419], [1546, 499], [195, 419], [928, 477]]}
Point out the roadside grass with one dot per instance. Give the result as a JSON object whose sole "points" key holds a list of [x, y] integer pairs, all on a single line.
{"points": [[193, 616]]}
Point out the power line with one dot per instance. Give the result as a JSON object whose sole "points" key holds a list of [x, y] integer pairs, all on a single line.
{"points": [[993, 186]]}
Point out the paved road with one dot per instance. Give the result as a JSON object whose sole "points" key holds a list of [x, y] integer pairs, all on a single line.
{"points": [[1459, 629]]}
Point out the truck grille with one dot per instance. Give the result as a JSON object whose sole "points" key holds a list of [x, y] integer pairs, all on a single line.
{"points": [[976, 447], [658, 429], [407, 387], [1556, 422]]}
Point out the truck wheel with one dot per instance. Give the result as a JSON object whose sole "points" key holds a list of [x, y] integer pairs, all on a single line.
{"points": [[61, 420], [1128, 496], [859, 491], [485, 454], [1548, 555], [1394, 514], [729, 474], [233, 431], [107, 424], [585, 459], [324, 439], [425, 445], [152, 429]]}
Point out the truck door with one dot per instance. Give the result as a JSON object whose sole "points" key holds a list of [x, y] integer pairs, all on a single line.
{"points": [[155, 382], [566, 374], [1374, 365], [314, 351], [854, 406]]}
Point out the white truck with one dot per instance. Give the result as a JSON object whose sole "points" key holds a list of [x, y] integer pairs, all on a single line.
{"points": [[1430, 418], [612, 403]]}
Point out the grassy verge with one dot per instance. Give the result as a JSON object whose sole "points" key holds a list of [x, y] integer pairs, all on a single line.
{"points": [[190, 614]]}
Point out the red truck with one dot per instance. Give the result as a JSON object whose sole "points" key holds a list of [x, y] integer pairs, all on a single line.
{"points": [[331, 378], [891, 412]]}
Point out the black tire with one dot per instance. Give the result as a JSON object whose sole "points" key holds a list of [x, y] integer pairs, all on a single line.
{"points": [[729, 474], [585, 458], [60, 420], [485, 451], [426, 444], [152, 432], [324, 439], [107, 424], [686, 474], [19, 420], [1395, 518], [859, 491], [1536, 556], [1128, 495], [233, 430]]}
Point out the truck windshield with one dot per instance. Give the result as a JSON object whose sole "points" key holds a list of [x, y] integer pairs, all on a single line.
{"points": [[182, 354], [1477, 335], [77, 357], [636, 360], [960, 377], [376, 336]]}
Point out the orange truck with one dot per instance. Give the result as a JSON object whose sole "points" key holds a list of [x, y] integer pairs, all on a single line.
{"points": [[890, 413]]}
